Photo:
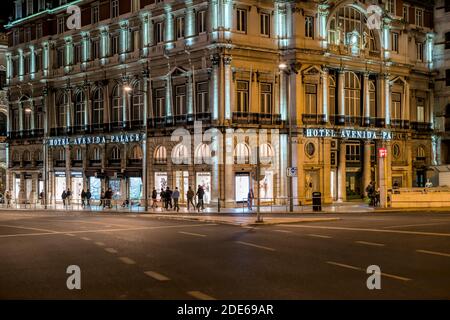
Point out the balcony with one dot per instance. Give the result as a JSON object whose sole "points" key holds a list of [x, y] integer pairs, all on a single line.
{"points": [[313, 118], [135, 162], [160, 161], [256, 118], [95, 163], [421, 126], [400, 124], [77, 163], [59, 163], [115, 162]]}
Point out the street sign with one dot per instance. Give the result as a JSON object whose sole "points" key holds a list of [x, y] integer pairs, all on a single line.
{"points": [[382, 152], [291, 171]]}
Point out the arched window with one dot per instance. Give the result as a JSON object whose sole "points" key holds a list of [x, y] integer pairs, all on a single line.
{"points": [[136, 153], [160, 155], [115, 153], [96, 154], [202, 154], [137, 109], [241, 153], [352, 91], [420, 154], [97, 107], [26, 156], [39, 156], [265, 153], [372, 97], [62, 109], [332, 95], [117, 105], [16, 156], [27, 110], [60, 154], [77, 154], [80, 104], [349, 27], [180, 154]]}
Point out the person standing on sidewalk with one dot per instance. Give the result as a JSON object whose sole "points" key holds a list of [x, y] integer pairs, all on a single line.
{"points": [[154, 198], [200, 194], [88, 198], [83, 198], [8, 199], [250, 197], [63, 197], [168, 196], [176, 197], [190, 198], [68, 196]]}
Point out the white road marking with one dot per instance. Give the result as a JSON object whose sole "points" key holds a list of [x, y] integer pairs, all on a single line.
{"points": [[387, 275], [111, 250], [156, 275], [127, 260], [192, 234], [29, 228], [343, 265], [86, 238], [319, 236], [412, 225], [70, 235], [255, 245], [435, 253], [200, 295], [283, 231], [370, 243], [420, 233], [105, 230], [101, 244]]}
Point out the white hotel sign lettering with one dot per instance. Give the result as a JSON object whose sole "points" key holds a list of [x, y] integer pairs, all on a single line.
{"points": [[121, 138], [347, 134]]}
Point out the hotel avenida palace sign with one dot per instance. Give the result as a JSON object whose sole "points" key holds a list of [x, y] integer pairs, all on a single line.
{"points": [[120, 138], [352, 134]]}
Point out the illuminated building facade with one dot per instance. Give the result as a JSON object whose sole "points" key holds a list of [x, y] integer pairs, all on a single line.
{"points": [[323, 84]]}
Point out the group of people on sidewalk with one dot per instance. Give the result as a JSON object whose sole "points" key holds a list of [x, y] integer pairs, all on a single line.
{"points": [[374, 194], [170, 199]]}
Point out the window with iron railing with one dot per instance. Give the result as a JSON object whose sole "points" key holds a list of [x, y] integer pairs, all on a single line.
{"points": [[353, 152], [311, 99], [202, 97], [160, 103], [242, 96], [266, 98], [180, 100]]}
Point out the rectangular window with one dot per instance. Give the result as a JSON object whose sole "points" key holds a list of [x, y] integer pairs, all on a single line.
{"points": [[390, 6], [159, 32], [311, 99], [309, 27], [396, 105], [95, 15], [95, 49], [406, 14], [180, 100], [39, 30], [38, 61], [60, 57], [201, 22], [60, 25], [114, 8], [394, 42], [27, 34], [447, 40], [266, 98], [114, 45], [242, 96], [179, 27], [241, 24], [160, 103], [77, 53], [41, 5], [16, 37], [30, 7], [419, 47], [420, 110], [447, 77], [419, 17], [352, 152], [202, 98], [265, 24]]}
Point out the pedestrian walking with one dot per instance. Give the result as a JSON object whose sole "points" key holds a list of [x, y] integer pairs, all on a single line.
{"points": [[154, 199], [8, 199], [190, 198], [200, 195], [64, 197], [168, 198], [176, 197], [88, 198], [68, 196], [83, 198], [102, 199], [250, 197], [42, 198]]}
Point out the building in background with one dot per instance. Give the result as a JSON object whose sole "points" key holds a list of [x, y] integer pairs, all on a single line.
{"points": [[3, 111], [442, 90], [336, 97]]}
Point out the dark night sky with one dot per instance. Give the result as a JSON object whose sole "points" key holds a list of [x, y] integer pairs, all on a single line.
{"points": [[6, 10]]}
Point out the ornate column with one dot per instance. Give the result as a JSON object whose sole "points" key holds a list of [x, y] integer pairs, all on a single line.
{"points": [[342, 190], [366, 165], [228, 83], [387, 100], [325, 112], [341, 97], [366, 97]]}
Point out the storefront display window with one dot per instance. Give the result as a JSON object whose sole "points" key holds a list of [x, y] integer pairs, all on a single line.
{"points": [[136, 187], [95, 186], [242, 187], [114, 184], [204, 180], [77, 186], [60, 186], [160, 181], [266, 187], [182, 183]]}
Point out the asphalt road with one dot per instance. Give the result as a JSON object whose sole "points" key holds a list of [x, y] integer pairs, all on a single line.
{"points": [[140, 257]]}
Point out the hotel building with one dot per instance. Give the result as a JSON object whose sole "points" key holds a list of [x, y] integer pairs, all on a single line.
{"points": [[328, 87]]}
